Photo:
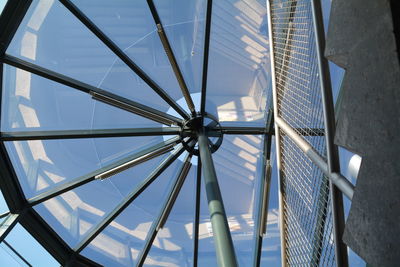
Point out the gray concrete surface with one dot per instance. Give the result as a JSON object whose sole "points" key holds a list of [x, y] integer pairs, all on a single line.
{"points": [[361, 40]]}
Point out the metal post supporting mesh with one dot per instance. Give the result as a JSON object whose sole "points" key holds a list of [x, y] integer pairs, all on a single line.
{"points": [[307, 215]]}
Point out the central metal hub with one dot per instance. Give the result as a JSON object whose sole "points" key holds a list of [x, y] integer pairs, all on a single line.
{"points": [[197, 124]]}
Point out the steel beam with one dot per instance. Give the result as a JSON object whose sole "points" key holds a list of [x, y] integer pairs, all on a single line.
{"points": [[124, 57], [205, 58], [165, 210], [128, 199], [92, 175], [102, 95], [341, 255], [96, 133], [223, 241], [171, 57]]}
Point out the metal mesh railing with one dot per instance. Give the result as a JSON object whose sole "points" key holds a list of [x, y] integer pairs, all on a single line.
{"points": [[306, 204]]}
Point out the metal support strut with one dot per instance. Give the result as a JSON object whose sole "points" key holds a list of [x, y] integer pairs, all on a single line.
{"points": [[223, 240]]}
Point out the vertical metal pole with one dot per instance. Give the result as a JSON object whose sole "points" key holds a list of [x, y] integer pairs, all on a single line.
{"points": [[329, 118], [277, 137], [223, 241]]}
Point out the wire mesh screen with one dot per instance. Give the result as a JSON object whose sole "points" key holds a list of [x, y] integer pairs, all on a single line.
{"points": [[306, 200]]}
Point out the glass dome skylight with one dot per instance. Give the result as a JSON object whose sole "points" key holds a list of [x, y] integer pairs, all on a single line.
{"points": [[126, 123]]}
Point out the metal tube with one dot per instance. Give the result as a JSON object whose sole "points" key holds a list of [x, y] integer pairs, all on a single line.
{"points": [[91, 176], [162, 217], [223, 241], [93, 133], [329, 119], [135, 162], [132, 108], [277, 137], [175, 67], [177, 188], [86, 88], [339, 180], [171, 57], [128, 199]]}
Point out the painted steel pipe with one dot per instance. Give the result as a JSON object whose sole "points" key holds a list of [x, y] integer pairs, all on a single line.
{"points": [[223, 241]]}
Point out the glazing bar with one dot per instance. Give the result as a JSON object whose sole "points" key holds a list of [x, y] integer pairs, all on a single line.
{"points": [[129, 199], [205, 58], [91, 176], [89, 89], [165, 210], [124, 57], [8, 223], [134, 108], [171, 57]]}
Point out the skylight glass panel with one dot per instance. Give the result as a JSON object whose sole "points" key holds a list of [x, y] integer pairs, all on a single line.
{"points": [[32, 103], [184, 24], [238, 74], [67, 47], [123, 239], [131, 26], [43, 165]]}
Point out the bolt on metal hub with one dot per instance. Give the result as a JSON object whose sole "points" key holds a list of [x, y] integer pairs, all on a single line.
{"points": [[196, 124]]}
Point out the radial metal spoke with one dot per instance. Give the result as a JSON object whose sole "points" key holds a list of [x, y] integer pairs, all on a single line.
{"points": [[97, 93], [97, 133], [124, 57], [92, 175], [243, 130], [197, 215], [205, 59], [128, 199], [222, 236], [166, 209], [171, 57]]}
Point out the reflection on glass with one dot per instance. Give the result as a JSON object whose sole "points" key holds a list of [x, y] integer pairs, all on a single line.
{"points": [[121, 242], [238, 76], [42, 165], [130, 25], [75, 213], [68, 47], [30, 102]]}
